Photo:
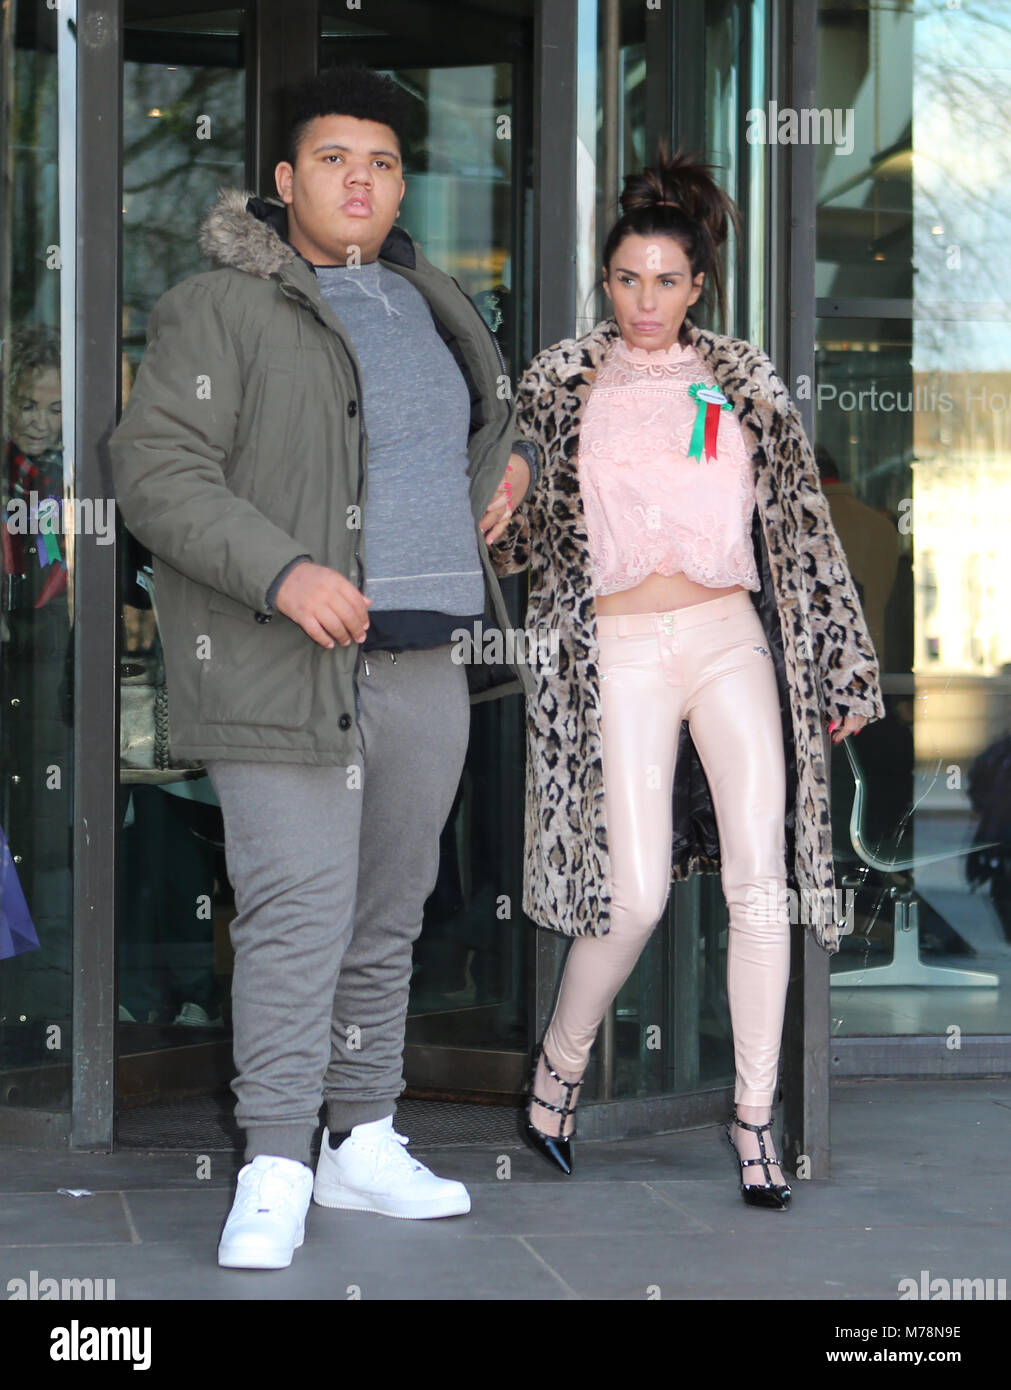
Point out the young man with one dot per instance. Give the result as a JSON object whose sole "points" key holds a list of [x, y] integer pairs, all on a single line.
{"points": [[317, 454]]}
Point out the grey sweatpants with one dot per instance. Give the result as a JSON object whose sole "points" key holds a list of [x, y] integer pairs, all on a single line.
{"points": [[331, 868]]}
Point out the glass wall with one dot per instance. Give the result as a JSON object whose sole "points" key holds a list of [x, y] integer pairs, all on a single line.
{"points": [[669, 1031], [468, 207], [40, 518], [184, 137], [913, 388], [687, 84]]}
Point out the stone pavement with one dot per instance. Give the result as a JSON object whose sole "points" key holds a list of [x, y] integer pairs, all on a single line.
{"points": [[920, 1185]]}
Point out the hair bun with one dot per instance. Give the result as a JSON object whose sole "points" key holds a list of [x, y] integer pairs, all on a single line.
{"points": [[678, 197], [682, 182]]}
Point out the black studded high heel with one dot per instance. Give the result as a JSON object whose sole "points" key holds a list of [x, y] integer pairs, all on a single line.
{"points": [[776, 1196], [557, 1149]]}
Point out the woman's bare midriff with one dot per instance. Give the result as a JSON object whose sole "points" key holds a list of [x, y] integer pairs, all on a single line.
{"points": [[660, 593]]}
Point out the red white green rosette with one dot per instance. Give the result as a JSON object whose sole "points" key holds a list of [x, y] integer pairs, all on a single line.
{"points": [[710, 401]]}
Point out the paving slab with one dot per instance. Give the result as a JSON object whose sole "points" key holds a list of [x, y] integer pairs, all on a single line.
{"points": [[775, 1262], [56, 1219], [361, 1261]]}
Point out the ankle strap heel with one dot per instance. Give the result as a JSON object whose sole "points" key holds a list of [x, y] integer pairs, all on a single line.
{"points": [[556, 1149], [564, 1110], [767, 1194]]}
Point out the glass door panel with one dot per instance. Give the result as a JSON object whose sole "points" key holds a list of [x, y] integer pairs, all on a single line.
{"points": [[39, 520], [184, 137], [468, 206], [686, 78], [913, 391]]}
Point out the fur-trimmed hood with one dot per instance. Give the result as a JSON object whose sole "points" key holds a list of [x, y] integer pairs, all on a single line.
{"points": [[242, 231]]}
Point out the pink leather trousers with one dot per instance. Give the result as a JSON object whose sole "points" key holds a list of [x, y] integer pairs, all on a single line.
{"points": [[708, 664]]}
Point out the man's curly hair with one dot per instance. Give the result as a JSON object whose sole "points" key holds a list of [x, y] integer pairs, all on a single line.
{"points": [[348, 89]]}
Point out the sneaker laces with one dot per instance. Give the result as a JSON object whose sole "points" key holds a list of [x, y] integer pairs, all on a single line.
{"points": [[267, 1189], [389, 1153]]}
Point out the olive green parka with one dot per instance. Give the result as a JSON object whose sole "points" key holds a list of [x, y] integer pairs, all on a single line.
{"points": [[242, 446]]}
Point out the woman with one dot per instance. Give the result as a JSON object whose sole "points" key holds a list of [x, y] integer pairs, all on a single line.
{"points": [[677, 484], [35, 735]]}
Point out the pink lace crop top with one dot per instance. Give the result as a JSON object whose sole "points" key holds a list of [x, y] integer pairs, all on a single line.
{"points": [[654, 498]]}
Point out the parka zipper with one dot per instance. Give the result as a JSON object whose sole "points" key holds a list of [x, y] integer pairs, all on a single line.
{"points": [[293, 292], [358, 500]]}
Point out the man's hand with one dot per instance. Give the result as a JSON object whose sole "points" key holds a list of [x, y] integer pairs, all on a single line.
{"points": [[508, 495], [324, 604]]}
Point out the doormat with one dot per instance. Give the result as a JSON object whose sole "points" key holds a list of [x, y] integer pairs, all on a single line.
{"points": [[207, 1124]]}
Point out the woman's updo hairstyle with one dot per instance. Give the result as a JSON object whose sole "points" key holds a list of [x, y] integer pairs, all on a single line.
{"points": [[678, 198]]}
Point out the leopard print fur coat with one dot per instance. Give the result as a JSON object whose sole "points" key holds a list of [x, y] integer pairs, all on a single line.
{"points": [[825, 664]]}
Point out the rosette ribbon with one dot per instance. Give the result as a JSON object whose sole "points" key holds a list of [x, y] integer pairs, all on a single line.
{"points": [[710, 401]]}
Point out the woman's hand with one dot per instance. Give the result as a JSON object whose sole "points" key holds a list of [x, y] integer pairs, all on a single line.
{"points": [[508, 495], [852, 724]]}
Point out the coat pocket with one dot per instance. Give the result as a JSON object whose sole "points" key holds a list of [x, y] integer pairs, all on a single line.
{"points": [[255, 673]]}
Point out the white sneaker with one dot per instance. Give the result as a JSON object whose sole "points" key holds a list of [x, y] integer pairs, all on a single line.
{"points": [[267, 1222], [371, 1171], [125, 1016], [195, 1016]]}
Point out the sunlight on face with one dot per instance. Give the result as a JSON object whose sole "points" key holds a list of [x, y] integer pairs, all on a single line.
{"points": [[344, 190], [651, 288]]}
